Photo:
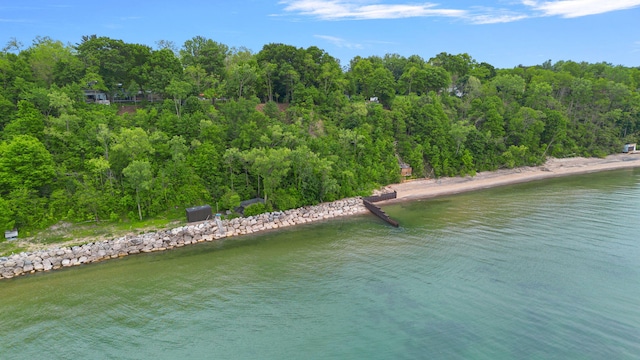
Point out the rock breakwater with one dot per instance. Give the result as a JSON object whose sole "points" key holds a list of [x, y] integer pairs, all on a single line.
{"points": [[57, 258]]}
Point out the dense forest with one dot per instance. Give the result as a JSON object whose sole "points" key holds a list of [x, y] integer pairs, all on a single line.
{"points": [[206, 123]]}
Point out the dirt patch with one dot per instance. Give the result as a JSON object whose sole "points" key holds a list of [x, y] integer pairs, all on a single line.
{"points": [[127, 109], [281, 107]]}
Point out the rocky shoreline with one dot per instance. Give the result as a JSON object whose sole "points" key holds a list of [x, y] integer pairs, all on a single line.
{"points": [[63, 257], [56, 258]]}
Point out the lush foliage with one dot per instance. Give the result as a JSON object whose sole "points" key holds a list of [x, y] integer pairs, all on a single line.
{"points": [[211, 124]]}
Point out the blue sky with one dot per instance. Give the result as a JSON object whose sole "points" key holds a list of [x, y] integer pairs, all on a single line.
{"points": [[504, 33]]}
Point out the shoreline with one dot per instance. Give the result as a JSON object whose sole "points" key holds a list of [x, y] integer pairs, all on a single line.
{"points": [[60, 257], [66, 256], [553, 168]]}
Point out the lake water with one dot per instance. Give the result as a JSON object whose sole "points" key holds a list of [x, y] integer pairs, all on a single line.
{"points": [[544, 270]]}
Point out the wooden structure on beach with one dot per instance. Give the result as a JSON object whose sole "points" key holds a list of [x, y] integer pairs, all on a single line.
{"points": [[376, 210], [405, 170]]}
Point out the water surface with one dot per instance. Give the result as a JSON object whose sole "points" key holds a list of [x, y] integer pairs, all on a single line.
{"points": [[544, 270]]}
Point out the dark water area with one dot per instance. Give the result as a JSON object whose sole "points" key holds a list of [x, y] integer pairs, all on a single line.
{"points": [[544, 270]]}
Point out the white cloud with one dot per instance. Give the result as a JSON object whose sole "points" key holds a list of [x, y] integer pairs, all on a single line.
{"points": [[377, 9], [493, 19], [363, 10], [494, 16], [339, 42], [578, 8]]}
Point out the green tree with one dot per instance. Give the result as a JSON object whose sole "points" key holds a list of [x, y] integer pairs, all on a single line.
{"points": [[7, 109], [108, 57], [456, 65], [286, 69], [100, 169], [524, 129], [555, 132], [130, 145], [25, 162], [29, 209], [515, 156], [161, 67], [509, 87], [60, 103], [331, 78], [267, 77], [44, 56], [396, 64], [230, 200], [241, 80], [437, 79], [139, 175], [105, 138], [272, 165], [134, 143], [412, 78], [7, 221], [178, 90], [28, 121], [198, 78], [371, 79], [206, 53]]}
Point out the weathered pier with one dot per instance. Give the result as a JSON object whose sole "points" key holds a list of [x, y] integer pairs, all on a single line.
{"points": [[369, 204]]}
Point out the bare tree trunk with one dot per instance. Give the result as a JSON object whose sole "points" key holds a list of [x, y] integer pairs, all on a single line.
{"points": [[138, 201]]}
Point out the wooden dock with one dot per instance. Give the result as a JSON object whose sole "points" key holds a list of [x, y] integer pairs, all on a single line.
{"points": [[369, 204]]}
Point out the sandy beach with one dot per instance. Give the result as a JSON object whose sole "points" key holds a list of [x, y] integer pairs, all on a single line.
{"points": [[428, 188]]}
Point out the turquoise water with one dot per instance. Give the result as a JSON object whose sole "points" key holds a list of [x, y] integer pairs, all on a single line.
{"points": [[545, 270]]}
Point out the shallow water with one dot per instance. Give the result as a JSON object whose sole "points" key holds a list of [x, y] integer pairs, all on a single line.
{"points": [[545, 270]]}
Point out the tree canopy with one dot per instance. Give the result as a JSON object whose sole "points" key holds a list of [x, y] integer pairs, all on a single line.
{"points": [[208, 123]]}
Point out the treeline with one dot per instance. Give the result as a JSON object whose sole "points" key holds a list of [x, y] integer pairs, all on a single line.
{"points": [[287, 124]]}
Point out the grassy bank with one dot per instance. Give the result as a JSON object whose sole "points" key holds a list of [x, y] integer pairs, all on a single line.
{"points": [[70, 234]]}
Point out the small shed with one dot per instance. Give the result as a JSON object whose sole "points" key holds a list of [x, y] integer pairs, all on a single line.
{"points": [[199, 213], [244, 204], [629, 148], [405, 170], [11, 234]]}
